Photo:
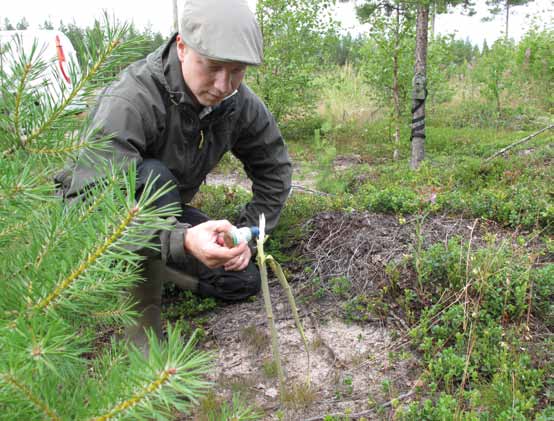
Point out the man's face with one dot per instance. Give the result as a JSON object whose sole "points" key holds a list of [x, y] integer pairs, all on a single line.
{"points": [[209, 80]]}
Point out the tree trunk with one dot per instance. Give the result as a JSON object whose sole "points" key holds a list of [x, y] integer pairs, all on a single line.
{"points": [[507, 17], [433, 12], [395, 87], [175, 26], [419, 87]]}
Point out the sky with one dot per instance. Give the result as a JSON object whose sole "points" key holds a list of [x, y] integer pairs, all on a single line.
{"points": [[158, 16]]}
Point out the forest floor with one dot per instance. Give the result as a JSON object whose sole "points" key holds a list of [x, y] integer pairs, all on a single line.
{"points": [[355, 368], [361, 364]]}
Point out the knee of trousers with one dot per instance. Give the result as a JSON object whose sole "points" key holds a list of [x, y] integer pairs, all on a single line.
{"points": [[231, 286], [161, 176]]}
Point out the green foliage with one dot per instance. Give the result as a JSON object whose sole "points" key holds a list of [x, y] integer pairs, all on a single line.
{"points": [[213, 408], [325, 153], [221, 202], [64, 266], [470, 354], [187, 305], [493, 71], [146, 40], [387, 39], [535, 58], [543, 298], [346, 101], [293, 45], [343, 49]]}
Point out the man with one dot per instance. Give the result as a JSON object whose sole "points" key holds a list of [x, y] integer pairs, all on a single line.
{"points": [[176, 113]]}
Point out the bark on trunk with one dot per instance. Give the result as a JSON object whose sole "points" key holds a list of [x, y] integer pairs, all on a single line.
{"points": [[433, 12], [507, 17], [395, 87], [175, 26], [420, 87]]}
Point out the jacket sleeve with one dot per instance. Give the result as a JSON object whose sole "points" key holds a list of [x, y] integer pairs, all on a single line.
{"points": [[130, 132], [263, 152]]}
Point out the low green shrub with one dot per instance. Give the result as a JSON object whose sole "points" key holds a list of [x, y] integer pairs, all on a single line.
{"points": [[470, 330]]}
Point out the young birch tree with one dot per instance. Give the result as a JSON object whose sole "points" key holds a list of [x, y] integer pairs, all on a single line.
{"points": [[391, 32]]}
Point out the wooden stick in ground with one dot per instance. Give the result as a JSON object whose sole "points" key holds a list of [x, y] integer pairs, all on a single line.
{"points": [[519, 142], [268, 308], [276, 268]]}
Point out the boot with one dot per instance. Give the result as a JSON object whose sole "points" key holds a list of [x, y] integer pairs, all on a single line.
{"points": [[148, 297], [167, 273]]}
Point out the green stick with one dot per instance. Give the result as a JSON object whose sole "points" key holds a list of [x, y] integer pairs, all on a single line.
{"points": [[276, 267], [268, 308]]}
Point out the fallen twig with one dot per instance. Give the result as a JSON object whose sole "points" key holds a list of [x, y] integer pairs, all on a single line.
{"points": [[362, 413], [320, 193], [519, 142]]}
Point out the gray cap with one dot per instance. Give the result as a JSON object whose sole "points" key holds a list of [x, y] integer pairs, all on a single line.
{"points": [[223, 30]]}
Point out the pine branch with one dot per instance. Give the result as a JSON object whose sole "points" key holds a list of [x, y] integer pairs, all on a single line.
{"points": [[10, 229], [90, 259], [18, 96], [113, 241], [98, 198], [43, 406], [18, 183], [60, 151], [174, 380], [56, 114], [136, 399]]}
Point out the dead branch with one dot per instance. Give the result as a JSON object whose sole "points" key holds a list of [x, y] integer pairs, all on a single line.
{"points": [[363, 413], [519, 142], [317, 192]]}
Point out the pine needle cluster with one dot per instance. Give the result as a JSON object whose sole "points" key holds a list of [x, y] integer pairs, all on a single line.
{"points": [[65, 269]]}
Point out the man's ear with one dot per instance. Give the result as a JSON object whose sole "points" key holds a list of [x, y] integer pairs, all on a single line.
{"points": [[181, 48]]}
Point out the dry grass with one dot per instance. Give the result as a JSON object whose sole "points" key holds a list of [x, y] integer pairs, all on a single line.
{"points": [[255, 338], [345, 98]]}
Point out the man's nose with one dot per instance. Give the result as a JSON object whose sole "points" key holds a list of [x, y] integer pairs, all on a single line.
{"points": [[223, 81]]}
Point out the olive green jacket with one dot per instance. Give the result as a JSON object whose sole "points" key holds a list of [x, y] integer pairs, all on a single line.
{"points": [[150, 114]]}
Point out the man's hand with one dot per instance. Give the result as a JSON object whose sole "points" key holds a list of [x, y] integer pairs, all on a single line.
{"points": [[202, 242], [241, 261]]}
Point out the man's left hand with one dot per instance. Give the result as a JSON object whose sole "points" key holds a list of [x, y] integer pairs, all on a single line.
{"points": [[239, 262]]}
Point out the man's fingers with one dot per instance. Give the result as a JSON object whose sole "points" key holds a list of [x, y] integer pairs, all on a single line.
{"points": [[220, 225], [240, 262]]}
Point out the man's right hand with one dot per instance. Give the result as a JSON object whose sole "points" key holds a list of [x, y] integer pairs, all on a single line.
{"points": [[202, 242]]}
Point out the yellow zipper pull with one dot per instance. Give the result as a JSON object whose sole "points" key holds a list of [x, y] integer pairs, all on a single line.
{"points": [[201, 139]]}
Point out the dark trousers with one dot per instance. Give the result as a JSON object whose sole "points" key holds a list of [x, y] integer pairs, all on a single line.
{"points": [[225, 285]]}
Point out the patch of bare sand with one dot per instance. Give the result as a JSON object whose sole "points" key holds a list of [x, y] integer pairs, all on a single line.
{"points": [[348, 362]]}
